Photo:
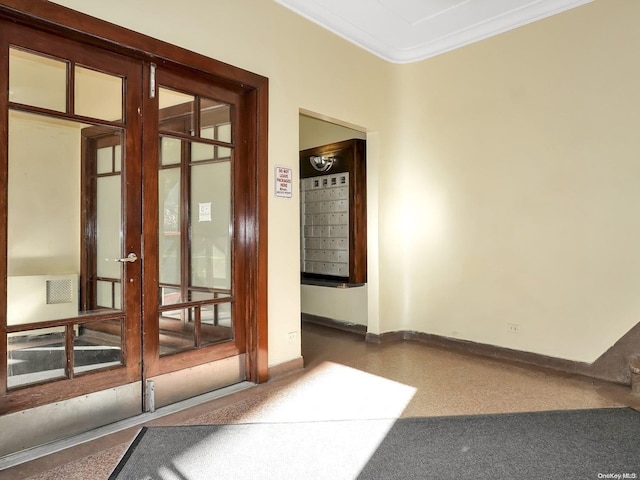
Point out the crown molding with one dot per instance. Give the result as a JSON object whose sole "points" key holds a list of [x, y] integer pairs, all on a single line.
{"points": [[384, 29]]}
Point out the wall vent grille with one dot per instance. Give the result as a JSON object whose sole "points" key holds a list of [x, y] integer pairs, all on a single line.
{"points": [[59, 291]]}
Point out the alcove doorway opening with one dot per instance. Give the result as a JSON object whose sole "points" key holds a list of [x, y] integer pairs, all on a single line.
{"points": [[327, 297]]}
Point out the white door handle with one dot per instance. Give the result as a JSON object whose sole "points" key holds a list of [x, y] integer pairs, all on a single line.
{"points": [[132, 257]]}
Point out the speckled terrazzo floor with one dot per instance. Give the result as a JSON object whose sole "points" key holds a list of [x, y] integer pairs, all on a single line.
{"points": [[346, 378]]}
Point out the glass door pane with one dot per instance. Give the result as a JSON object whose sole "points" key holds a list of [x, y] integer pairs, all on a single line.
{"points": [[211, 225], [195, 213], [46, 256], [37, 80], [64, 219], [108, 218]]}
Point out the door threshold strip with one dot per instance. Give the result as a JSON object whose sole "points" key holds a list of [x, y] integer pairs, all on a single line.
{"points": [[34, 453]]}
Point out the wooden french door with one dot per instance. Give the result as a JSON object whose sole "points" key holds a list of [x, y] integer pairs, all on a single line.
{"points": [[193, 193], [126, 216], [71, 316]]}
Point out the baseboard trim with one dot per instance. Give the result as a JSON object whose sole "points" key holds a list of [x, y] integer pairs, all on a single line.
{"points": [[337, 324], [492, 351], [286, 368], [387, 337]]}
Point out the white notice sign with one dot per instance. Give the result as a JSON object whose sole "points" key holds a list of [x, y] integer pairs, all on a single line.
{"points": [[284, 182], [204, 212]]}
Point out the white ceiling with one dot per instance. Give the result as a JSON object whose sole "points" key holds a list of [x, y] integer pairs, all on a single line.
{"points": [[403, 31]]}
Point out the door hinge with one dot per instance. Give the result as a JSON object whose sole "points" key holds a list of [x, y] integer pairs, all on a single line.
{"points": [[150, 394], [152, 80]]}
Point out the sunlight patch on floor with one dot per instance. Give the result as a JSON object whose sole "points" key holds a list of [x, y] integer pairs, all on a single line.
{"points": [[332, 391], [322, 413]]}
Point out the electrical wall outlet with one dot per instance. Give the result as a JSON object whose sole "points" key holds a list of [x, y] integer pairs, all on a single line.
{"points": [[292, 336], [513, 328]]}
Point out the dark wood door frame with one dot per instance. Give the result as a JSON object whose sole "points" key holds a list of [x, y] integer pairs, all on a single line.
{"points": [[92, 139], [57, 46], [182, 81], [253, 97]]}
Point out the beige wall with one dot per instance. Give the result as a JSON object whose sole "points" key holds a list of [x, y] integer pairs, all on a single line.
{"points": [[513, 195], [44, 196], [346, 305], [315, 132], [308, 68], [503, 175]]}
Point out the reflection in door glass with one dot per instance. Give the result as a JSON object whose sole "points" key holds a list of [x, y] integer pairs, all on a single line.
{"points": [[224, 134], [176, 111], [177, 332], [211, 225], [109, 159], [184, 329], [44, 212], [65, 209], [35, 356], [170, 151], [202, 151], [216, 323], [40, 355], [63, 237], [103, 194], [194, 194], [108, 294], [170, 223], [108, 220], [37, 80], [215, 120], [97, 345], [98, 95]]}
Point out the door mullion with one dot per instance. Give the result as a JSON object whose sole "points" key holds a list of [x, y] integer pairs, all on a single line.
{"points": [[197, 325], [185, 253], [69, 352], [3, 358], [4, 200], [71, 87]]}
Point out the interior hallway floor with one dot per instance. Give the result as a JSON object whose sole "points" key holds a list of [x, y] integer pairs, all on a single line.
{"points": [[346, 378]]}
